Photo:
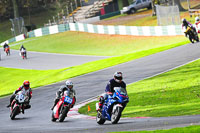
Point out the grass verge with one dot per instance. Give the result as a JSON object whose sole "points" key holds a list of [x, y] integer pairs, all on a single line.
{"points": [[95, 44], [12, 78], [188, 129], [173, 93]]}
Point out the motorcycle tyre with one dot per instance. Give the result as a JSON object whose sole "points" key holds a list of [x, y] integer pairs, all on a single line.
{"points": [[52, 117], [63, 114], [197, 38], [99, 118], [190, 38], [119, 111], [14, 113]]}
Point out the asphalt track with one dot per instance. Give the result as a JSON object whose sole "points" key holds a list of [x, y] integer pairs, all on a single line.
{"points": [[44, 61], [37, 119]]}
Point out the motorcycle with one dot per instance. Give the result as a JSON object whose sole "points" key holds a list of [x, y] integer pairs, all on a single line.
{"points": [[7, 50], [18, 104], [62, 107], [23, 54], [112, 107], [193, 35]]}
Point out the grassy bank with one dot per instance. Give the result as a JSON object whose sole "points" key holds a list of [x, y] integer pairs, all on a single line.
{"points": [[11, 78], [173, 93], [95, 44], [189, 129]]}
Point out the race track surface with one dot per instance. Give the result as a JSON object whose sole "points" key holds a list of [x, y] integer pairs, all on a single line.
{"points": [[44, 61], [37, 119]]}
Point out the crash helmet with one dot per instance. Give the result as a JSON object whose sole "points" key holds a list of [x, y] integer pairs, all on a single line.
{"points": [[184, 20], [118, 76], [69, 84], [26, 84], [196, 19]]}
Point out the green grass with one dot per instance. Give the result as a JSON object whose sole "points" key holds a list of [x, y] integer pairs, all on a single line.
{"points": [[188, 129], [12, 78], [95, 44], [173, 93]]}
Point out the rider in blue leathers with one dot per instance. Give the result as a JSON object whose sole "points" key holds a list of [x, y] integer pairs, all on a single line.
{"points": [[117, 81]]}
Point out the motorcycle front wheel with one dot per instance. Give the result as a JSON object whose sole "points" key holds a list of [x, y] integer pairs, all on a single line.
{"points": [[116, 114], [99, 118], [52, 117], [14, 113], [63, 114]]}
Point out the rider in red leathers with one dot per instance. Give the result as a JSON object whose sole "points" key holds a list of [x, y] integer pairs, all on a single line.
{"points": [[26, 88]]}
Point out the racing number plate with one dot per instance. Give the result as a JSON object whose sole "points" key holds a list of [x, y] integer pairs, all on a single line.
{"points": [[68, 100]]}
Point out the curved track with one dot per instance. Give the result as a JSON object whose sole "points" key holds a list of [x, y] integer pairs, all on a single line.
{"points": [[43, 61], [37, 119]]}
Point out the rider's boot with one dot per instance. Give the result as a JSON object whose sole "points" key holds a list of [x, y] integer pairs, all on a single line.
{"points": [[9, 105]]}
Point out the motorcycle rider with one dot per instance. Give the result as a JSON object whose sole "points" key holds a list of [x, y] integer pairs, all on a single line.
{"points": [[68, 86], [185, 24], [5, 46], [23, 49], [117, 81], [25, 88], [197, 23]]}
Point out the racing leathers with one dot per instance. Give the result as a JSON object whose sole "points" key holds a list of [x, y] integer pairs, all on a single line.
{"points": [[5, 46], [186, 24], [27, 92], [60, 92], [110, 90]]}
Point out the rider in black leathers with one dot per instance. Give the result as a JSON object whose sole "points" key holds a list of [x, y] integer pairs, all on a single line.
{"points": [[117, 81]]}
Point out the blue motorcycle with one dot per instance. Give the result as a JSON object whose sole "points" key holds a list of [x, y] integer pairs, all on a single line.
{"points": [[113, 106]]}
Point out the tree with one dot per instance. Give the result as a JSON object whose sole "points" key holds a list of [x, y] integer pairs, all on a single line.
{"points": [[125, 3], [178, 2], [15, 8]]}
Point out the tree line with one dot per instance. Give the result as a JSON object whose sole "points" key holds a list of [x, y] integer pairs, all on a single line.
{"points": [[15, 8]]}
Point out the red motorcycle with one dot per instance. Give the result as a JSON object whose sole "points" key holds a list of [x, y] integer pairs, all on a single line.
{"points": [[63, 106], [18, 104], [7, 50]]}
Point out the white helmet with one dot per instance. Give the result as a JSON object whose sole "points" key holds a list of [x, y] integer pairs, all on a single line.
{"points": [[118, 77], [196, 19], [69, 84]]}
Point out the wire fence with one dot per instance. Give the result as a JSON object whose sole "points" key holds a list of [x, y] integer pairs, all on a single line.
{"points": [[167, 15]]}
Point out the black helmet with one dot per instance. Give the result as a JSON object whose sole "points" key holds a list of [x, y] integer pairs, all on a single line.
{"points": [[118, 76]]}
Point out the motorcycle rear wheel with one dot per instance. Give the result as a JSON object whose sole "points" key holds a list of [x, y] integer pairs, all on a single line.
{"points": [[99, 118], [63, 114], [14, 113], [116, 114]]}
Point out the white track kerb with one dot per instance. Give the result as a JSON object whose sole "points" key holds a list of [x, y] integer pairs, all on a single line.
{"points": [[74, 112]]}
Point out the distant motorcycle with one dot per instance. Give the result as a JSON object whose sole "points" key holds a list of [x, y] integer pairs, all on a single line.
{"points": [[193, 35], [7, 50], [62, 107], [23, 54], [112, 107], [18, 104]]}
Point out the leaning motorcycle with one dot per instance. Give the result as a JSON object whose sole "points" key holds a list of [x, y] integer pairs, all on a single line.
{"points": [[192, 34], [62, 107], [7, 50], [18, 104], [112, 107]]}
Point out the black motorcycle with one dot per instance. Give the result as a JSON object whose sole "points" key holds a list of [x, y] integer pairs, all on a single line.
{"points": [[193, 35]]}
